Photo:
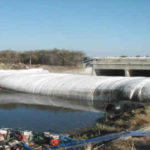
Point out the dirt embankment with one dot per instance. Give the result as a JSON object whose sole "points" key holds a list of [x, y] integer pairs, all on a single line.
{"points": [[50, 68]]}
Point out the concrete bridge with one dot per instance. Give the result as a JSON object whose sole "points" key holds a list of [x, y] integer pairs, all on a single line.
{"points": [[121, 66]]}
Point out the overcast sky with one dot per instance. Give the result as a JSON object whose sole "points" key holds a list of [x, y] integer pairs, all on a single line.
{"points": [[98, 27]]}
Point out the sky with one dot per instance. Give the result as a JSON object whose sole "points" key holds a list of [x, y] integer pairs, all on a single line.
{"points": [[97, 27]]}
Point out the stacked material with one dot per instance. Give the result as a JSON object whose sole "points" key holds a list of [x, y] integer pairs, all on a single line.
{"points": [[68, 86]]}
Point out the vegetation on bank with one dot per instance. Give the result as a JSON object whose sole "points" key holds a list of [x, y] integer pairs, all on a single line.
{"points": [[58, 57], [128, 121]]}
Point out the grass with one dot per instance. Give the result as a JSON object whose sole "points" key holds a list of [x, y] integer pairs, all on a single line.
{"points": [[142, 143], [128, 121]]}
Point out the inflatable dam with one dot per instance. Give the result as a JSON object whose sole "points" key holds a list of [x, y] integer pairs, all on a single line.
{"points": [[76, 87]]}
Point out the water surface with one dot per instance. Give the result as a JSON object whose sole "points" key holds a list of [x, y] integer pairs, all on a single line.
{"points": [[42, 113]]}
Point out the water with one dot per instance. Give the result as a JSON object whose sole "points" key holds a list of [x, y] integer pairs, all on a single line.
{"points": [[43, 113]]}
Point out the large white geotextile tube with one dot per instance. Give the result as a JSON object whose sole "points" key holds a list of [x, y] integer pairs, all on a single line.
{"points": [[80, 87]]}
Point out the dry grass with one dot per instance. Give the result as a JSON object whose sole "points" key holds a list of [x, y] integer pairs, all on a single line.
{"points": [[142, 143], [128, 121], [141, 118]]}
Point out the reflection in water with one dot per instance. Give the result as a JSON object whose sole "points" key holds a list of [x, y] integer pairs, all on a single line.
{"points": [[43, 113], [14, 99]]}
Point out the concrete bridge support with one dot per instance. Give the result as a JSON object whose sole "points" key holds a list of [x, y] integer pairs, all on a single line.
{"points": [[127, 73]]}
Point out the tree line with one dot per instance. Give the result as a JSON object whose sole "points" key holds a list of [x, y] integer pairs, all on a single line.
{"points": [[59, 57]]}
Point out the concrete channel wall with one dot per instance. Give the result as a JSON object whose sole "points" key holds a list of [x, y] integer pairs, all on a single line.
{"points": [[122, 66]]}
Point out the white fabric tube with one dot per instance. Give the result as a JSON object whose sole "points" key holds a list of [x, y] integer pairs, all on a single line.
{"points": [[39, 81]]}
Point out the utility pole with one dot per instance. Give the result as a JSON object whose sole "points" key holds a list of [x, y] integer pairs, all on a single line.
{"points": [[30, 61]]}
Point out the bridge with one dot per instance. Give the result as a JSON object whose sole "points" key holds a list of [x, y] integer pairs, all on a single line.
{"points": [[121, 66]]}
